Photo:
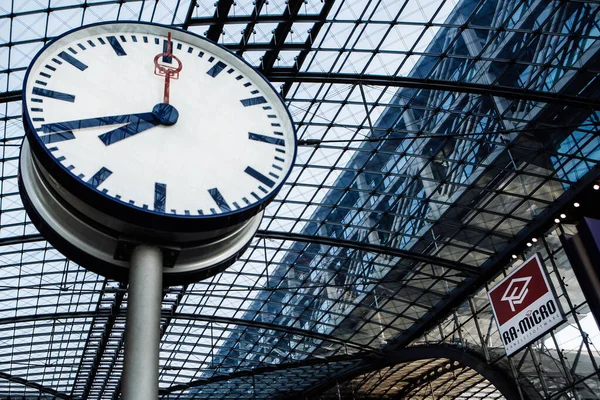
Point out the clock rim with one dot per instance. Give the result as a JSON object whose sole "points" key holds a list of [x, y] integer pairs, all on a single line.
{"points": [[107, 253], [136, 215]]}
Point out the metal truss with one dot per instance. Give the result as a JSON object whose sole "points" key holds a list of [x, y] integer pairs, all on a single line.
{"points": [[495, 264], [287, 76], [36, 386], [430, 375], [366, 362], [464, 269], [169, 316], [466, 358], [492, 267], [269, 369], [99, 351]]}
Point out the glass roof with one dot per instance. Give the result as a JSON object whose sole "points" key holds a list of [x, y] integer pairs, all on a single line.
{"points": [[435, 137]]}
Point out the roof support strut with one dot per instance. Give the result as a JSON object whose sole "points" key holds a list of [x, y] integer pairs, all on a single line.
{"points": [[464, 269], [287, 76]]}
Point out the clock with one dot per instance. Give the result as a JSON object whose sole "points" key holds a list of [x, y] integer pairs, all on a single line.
{"points": [[139, 132]]}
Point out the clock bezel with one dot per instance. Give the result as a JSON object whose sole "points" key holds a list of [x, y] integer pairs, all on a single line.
{"points": [[149, 218], [107, 253]]}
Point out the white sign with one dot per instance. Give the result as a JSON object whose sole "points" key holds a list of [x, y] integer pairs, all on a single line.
{"points": [[524, 305]]}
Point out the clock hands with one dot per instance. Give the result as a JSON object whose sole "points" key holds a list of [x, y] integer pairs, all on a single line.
{"points": [[137, 126], [162, 114], [94, 122], [168, 71]]}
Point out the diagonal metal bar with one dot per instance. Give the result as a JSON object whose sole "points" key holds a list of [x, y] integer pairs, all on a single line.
{"points": [[280, 33], [268, 369], [197, 317], [312, 36], [36, 386], [249, 30], [220, 17], [13, 95], [429, 375], [289, 76], [298, 237], [104, 340], [465, 269]]}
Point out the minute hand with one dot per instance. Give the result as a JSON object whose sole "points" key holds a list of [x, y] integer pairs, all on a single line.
{"points": [[98, 121], [162, 114]]}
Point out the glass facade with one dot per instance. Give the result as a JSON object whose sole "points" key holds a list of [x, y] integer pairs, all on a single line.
{"points": [[437, 141]]}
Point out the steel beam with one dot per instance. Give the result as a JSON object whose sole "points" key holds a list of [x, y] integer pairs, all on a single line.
{"points": [[101, 348], [468, 358], [220, 17], [7, 97], [9, 241], [249, 30], [366, 362], [266, 370], [432, 374], [196, 317], [36, 386], [278, 328], [279, 35], [308, 45], [289, 76], [253, 19], [188, 16], [465, 269]]}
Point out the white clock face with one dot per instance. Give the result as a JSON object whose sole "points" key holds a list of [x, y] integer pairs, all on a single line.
{"points": [[211, 138]]}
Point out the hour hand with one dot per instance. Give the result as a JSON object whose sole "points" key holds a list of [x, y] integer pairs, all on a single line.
{"points": [[162, 114], [127, 130], [95, 122]]}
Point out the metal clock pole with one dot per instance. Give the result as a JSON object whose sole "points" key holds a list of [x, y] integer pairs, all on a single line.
{"points": [[142, 330]]}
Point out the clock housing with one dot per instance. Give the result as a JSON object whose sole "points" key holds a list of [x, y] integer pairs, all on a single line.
{"points": [[139, 133], [219, 162]]}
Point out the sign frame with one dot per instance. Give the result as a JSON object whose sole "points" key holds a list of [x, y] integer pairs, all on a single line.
{"points": [[512, 328]]}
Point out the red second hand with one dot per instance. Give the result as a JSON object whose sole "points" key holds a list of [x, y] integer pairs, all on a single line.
{"points": [[167, 74], [167, 71]]}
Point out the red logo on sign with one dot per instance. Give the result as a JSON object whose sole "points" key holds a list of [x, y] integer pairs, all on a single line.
{"points": [[518, 291]]}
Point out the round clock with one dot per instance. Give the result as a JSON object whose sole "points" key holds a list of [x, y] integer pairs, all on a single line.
{"points": [[145, 133]]}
